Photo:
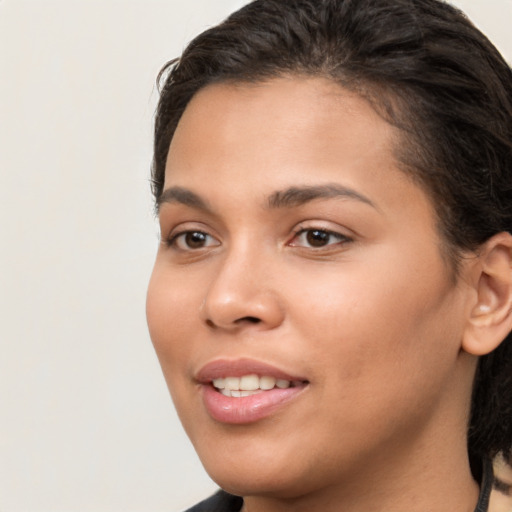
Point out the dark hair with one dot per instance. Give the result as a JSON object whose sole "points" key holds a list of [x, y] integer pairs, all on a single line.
{"points": [[427, 70]]}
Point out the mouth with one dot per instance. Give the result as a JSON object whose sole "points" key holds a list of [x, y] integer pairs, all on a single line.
{"points": [[252, 384], [245, 391]]}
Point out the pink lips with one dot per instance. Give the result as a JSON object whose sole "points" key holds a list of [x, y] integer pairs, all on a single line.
{"points": [[247, 409]]}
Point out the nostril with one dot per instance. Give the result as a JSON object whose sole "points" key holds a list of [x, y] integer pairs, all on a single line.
{"points": [[250, 319]]}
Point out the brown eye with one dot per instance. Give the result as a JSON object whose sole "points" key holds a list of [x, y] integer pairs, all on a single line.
{"points": [[318, 238], [193, 240]]}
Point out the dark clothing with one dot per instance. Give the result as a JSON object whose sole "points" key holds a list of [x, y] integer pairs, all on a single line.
{"points": [[224, 502], [220, 502]]}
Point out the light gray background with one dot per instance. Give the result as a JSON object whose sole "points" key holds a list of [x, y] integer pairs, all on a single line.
{"points": [[86, 423]]}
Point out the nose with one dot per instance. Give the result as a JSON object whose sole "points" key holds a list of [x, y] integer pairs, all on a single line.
{"points": [[242, 294]]}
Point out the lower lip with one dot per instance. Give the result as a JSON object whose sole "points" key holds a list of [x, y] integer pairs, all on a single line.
{"points": [[247, 409]]}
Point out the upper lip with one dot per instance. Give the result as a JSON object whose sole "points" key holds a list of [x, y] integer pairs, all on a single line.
{"points": [[221, 368]]}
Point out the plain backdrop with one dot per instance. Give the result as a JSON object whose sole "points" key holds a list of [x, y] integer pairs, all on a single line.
{"points": [[86, 423]]}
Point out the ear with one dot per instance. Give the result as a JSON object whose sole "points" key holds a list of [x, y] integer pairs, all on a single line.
{"points": [[490, 319]]}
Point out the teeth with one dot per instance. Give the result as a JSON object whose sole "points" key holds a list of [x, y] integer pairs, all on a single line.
{"points": [[219, 383], [249, 382], [248, 385], [232, 383], [267, 382], [236, 393], [249, 392]]}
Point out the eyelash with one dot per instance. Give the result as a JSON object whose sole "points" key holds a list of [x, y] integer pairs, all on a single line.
{"points": [[340, 238], [328, 235], [174, 240]]}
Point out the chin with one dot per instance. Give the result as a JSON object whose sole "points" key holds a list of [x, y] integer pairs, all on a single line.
{"points": [[260, 472], [260, 482], [248, 468]]}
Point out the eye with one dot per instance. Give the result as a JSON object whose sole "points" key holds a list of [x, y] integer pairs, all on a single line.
{"points": [[318, 238], [192, 240]]}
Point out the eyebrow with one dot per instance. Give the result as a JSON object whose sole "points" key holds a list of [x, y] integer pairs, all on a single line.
{"points": [[182, 196], [287, 198], [297, 196]]}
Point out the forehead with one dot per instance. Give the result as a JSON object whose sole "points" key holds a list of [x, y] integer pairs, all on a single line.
{"points": [[277, 123], [247, 141]]}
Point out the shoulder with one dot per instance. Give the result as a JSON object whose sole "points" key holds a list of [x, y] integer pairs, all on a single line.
{"points": [[219, 502]]}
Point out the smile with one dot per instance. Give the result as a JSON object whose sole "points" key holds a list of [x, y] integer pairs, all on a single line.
{"points": [[246, 391], [248, 385]]}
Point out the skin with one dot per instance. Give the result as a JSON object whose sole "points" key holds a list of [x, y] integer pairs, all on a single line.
{"points": [[373, 319]]}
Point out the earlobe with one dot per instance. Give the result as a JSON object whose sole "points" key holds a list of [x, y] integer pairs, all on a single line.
{"points": [[490, 319]]}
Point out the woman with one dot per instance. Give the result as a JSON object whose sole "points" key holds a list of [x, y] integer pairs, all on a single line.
{"points": [[331, 302]]}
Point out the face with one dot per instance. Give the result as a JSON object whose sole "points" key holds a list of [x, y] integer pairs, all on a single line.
{"points": [[306, 323]]}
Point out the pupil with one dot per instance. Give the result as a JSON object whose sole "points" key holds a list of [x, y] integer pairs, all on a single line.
{"points": [[317, 238], [195, 239]]}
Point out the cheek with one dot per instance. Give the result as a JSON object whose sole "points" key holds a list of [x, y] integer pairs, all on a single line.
{"points": [[384, 362], [171, 325], [388, 317], [168, 310]]}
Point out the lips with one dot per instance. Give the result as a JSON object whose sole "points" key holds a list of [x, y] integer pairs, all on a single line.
{"points": [[246, 391]]}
